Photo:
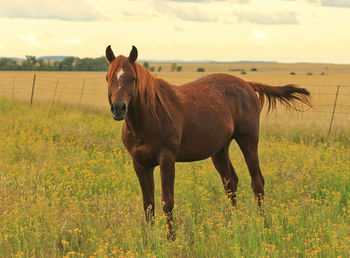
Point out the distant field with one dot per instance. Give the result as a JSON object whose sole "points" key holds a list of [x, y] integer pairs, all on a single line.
{"points": [[67, 87]]}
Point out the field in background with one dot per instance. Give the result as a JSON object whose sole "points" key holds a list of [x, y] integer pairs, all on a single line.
{"points": [[89, 88], [67, 188]]}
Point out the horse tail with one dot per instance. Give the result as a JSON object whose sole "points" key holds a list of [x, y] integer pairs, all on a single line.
{"points": [[289, 95]]}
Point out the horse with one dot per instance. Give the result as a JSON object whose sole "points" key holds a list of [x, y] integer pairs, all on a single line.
{"points": [[164, 124]]}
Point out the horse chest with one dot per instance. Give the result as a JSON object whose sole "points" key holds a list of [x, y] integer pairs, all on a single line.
{"points": [[146, 147], [140, 150], [143, 153]]}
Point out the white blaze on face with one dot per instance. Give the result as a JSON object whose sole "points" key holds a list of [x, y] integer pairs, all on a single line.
{"points": [[120, 73]]}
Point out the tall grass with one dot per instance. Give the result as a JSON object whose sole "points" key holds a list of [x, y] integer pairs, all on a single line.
{"points": [[67, 188]]}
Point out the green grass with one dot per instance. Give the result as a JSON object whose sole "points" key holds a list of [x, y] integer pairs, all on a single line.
{"points": [[67, 188]]}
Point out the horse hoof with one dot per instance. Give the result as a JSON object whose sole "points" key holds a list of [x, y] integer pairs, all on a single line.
{"points": [[171, 236]]}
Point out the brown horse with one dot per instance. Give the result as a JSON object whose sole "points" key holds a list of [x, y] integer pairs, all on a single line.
{"points": [[165, 124]]}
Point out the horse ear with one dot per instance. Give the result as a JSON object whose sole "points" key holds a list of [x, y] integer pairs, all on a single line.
{"points": [[133, 55], [109, 54]]}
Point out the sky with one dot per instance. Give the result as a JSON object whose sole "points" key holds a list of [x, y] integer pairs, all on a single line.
{"points": [[219, 30]]}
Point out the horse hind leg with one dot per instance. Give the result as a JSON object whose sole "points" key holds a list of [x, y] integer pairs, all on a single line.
{"points": [[248, 144], [228, 175]]}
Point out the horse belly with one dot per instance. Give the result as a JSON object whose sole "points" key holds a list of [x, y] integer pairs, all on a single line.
{"points": [[201, 142]]}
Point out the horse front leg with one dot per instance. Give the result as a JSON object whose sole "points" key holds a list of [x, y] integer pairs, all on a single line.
{"points": [[167, 173], [146, 179]]}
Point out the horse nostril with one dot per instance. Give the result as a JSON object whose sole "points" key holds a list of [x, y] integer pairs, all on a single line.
{"points": [[123, 107], [112, 108]]}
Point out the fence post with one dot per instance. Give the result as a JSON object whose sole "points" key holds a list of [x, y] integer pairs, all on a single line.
{"points": [[31, 97], [54, 93], [82, 91], [335, 104], [13, 87]]}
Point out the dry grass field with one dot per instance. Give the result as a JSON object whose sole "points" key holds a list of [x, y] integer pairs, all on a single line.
{"points": [[321, 79], [68, 189]]}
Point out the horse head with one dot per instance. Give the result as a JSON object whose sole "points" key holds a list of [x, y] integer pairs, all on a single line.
{"points": [[121, 79]]}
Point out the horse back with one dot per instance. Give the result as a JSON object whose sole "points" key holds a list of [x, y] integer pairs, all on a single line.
{"points": [[221, 93], [213, 107]]}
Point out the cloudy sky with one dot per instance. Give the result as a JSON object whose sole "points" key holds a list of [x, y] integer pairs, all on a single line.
{"points": [[221, 30]]}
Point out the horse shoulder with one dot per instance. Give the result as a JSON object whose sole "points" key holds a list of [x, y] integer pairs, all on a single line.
{"points": [[146, 145]]}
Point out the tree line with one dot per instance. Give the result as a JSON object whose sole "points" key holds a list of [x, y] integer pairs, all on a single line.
{"points": [[31, 63]]}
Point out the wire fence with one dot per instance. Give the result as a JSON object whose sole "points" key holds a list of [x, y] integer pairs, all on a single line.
{"points": [[331, 101]]}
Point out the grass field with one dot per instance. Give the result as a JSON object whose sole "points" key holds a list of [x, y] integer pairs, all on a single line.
{"points": [[68, 188], [67, 185]]}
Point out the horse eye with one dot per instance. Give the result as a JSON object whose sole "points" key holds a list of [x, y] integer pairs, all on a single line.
{"points": [[134, 79]]}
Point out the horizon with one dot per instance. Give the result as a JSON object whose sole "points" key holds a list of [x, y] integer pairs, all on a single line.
{"points": [[285, 31], [61, 57]]}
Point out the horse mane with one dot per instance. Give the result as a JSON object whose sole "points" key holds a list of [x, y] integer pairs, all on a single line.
{"points": [[148, 90]]}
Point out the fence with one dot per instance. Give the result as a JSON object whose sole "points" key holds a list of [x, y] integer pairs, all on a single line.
{"points": [[74, 88], [331, 102]]}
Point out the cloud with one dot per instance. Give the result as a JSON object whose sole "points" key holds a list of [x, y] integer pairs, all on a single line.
{"points": [[138, 15], [258, 34], [329, 3], [71, 41], [284, 18], [30, 38], [77, 10], [193, 14], [188, 13], [192, 1], [178, 28], [48, 40], [206, 1], [336, 3], [191, 10]]}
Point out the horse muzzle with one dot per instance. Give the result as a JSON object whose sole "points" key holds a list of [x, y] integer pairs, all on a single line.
{"points": [[119, 110]]}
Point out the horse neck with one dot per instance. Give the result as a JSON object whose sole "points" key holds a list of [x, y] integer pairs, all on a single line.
{"points": [[140, 117]]}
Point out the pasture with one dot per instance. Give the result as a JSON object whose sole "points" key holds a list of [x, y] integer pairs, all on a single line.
{"points": [[68, 188]]}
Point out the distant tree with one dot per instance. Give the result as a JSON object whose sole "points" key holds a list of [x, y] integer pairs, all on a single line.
{"points": [[31, 59], [55, 65], [309, 73], [67, 64], [253, 70], [29, 63], [101, 64], [159, 68], [243, 72], [90, 64], [42, 65], [146, 65], [151, 69], [178, 68], [200, 69], [86, 64], [173, 67], [323, 73], [8, 64]]}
